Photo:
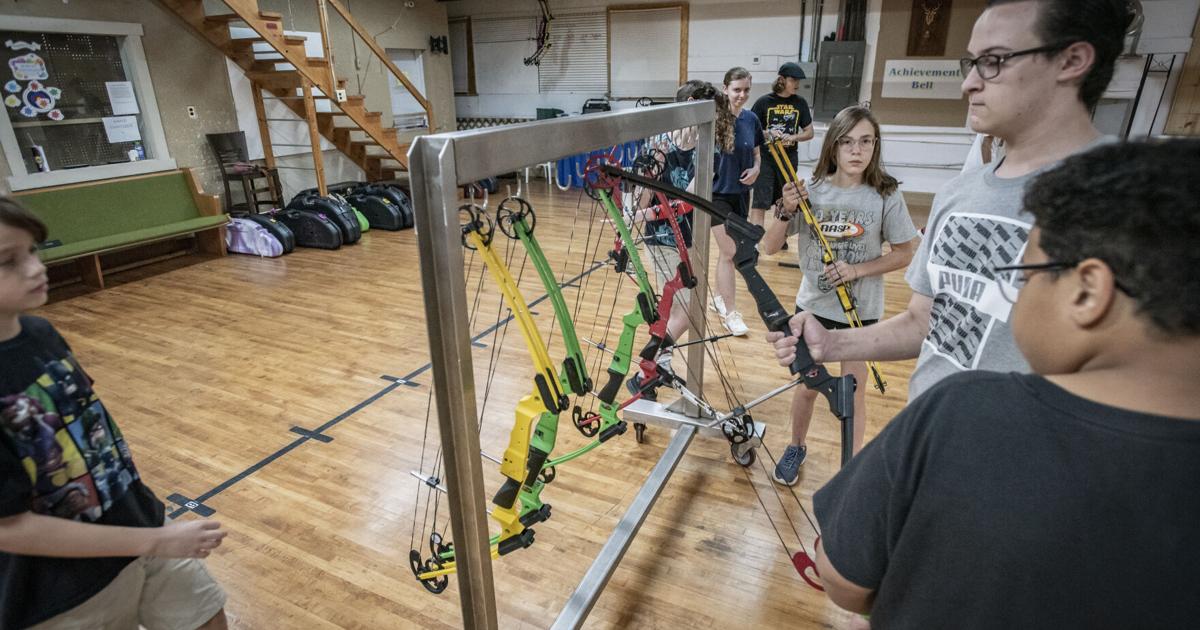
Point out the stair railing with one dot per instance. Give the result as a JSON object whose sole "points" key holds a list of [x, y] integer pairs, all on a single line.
{"points": [[361, 31]]}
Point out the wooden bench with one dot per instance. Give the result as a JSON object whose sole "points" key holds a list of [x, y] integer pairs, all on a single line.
{"points": [[94, 218]]}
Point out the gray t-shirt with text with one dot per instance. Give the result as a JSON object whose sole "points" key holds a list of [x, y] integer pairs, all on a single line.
{"points": [[977, 223], [855, 221]]}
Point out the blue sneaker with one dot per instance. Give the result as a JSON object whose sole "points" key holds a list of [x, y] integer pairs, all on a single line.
{"points": [[787, 471]]}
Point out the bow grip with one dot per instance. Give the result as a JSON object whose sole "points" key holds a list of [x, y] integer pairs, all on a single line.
{"points": [[803, 360], [609, 393], [506, 496]]}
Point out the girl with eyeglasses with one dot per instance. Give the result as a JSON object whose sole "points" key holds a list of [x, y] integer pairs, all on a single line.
{"points": [[858, 207]]}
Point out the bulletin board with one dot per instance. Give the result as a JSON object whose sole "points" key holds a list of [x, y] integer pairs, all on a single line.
{"points": [[57, 91]]}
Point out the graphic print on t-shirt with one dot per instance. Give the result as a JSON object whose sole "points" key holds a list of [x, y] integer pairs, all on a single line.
{"points": [[967, 299], [843, 229], [783, 117], [78, 463]]}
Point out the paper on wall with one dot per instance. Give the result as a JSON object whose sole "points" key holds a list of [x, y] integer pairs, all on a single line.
{"points": [[121, 129], [121, 97]]}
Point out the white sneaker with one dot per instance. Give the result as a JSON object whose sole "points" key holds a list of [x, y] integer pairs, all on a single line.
{"points": [[664, 359], [718, 305], [734, 324]]}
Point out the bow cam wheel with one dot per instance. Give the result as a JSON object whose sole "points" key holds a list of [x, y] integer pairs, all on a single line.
{"points": [[511, 211], [588, 423], [472, 218], [434, 585]]}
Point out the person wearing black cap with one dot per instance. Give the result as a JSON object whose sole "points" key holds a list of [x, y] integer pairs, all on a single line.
{"points": [[785, 115]]}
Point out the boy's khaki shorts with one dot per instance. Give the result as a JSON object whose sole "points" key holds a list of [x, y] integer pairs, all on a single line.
{"points": [[157, 593], [665, 260]]}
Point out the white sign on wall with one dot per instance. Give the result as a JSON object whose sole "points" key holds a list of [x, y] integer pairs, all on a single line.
{"points": [[916, 78]]}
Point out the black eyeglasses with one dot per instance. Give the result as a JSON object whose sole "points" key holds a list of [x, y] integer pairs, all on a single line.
{"points": [[1012, 278], [989, 65]]}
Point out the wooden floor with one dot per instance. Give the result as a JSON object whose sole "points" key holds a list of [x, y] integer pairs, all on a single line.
{"points": [[210, 367]]}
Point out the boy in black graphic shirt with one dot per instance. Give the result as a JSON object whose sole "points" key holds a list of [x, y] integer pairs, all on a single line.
{"points": [[1066, 498], [82, 540], [784, 115]]}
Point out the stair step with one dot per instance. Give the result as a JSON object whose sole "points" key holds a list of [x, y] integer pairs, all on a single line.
{"points": [[268, 65], [278, 79], [363, 143], [272, 74], [317, 61], [368, 115], [291, 40], [226, 18]]}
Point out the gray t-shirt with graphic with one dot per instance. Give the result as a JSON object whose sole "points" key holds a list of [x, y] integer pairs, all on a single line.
{"points": [[977, 223], [855, 221]]}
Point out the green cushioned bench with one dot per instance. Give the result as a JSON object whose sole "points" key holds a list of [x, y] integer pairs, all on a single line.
{"points": [[86, 220]]}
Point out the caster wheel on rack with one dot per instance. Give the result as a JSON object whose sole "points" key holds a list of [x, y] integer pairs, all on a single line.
{"points": [[745, 458]]}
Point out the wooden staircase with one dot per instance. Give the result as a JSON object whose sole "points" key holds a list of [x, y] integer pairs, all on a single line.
{"points": [[355, 131]]}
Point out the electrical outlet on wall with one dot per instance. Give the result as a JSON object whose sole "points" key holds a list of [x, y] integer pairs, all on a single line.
{"points": [[191, 111], [340, 95]]}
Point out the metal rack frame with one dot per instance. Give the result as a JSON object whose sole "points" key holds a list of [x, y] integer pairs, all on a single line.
{"points": [[439, 164]]}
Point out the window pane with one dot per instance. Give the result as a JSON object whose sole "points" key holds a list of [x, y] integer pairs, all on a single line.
{"points": [[59, 89]]}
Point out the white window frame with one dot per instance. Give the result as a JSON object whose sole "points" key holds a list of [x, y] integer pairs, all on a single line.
{"points": [[134, 59]]}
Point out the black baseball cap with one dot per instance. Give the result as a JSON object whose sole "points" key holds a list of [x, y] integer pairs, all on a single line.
{"points": [[791, 69]]}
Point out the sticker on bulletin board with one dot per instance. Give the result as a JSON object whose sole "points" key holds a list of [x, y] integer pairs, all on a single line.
{"points": [[19, 45], [39, 99], [12, 87], [28, 67]]}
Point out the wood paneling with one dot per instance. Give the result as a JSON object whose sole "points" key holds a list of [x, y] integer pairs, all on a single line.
{"points": [[1184, 119], [893, 44]]}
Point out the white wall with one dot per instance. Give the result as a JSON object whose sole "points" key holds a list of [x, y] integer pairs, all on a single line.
{"points": [[761, 35], [717, 40]]}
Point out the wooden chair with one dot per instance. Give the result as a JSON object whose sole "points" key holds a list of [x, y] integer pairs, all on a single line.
{"points": [[254, 180]]}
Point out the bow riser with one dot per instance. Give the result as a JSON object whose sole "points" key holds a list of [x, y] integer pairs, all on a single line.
{"points": [[745, 235], [547, 398]]}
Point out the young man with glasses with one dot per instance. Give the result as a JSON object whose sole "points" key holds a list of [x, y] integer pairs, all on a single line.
{"points": [[1065, 498], [1035, 69]]}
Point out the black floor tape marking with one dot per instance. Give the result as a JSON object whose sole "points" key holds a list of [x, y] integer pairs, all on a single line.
{"points": [[312, 434]]}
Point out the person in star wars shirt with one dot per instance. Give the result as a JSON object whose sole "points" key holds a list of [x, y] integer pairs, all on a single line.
{"points": [[784, 115]]}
